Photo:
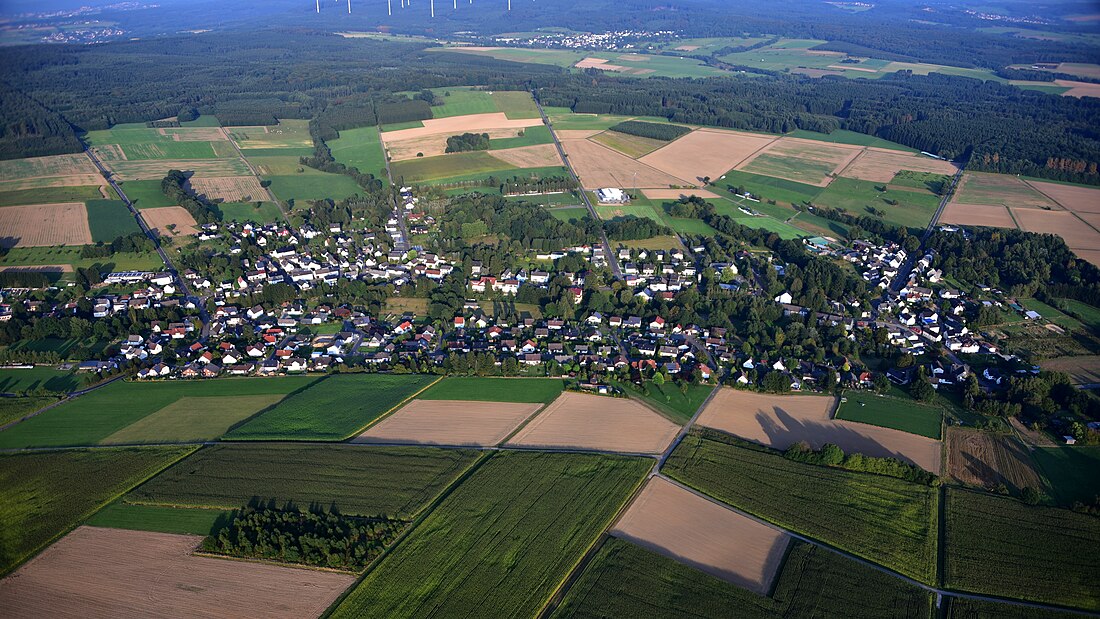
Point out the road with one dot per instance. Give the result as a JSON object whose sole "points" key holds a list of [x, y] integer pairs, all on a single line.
{"points": [[270, 196], [612, 259], [943, 204], [398, 208]]}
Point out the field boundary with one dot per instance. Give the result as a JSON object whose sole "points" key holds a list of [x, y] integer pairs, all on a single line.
{"points": [[392, 410]]}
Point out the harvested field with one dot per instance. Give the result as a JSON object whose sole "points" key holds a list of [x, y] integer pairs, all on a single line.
{"points": [[228, 188], [676, 194], [1079, 89], [41, 268], [1092, 219], [1063, 223], [580, 421], [8, 184], [718, 541], [43, 225], [882, 165], [540, 156], [435, 145], [161, 217], [1072, 197], [991, 215], [193, 134], [58, 167], [1092, 255], [1006, 189], [598, 63], [1082, 370], [781, 421], [95, 572], [599, 166], [632, 146], [804, 161], [450, 422], [155, 169], [706, 152], [577, 134], [474, 123], [987, 460]]}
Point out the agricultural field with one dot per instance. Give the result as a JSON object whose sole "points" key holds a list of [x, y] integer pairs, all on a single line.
{"points": [[259, 212], [633, 146], [882, 519], [313, 186], [288, 134], [91, 419], [46, 494], [1000, 546], [516, 105], [332, 409], [843, 136], [538, 156], [68, 258], [598, 166], [707, 152], [190, 419], [146, 194], [963, 608], [882, 165], [769, 188], [430, 139], [462, 101], [503, 539], [914, 209], [532, 136], [109, 219], [988, 215], [228, 188], [1071, 473], [52, 171], [802, 161], [360, 148], [43, 225], [1003, 189], [449, 422], [356, 479], [130, 142], [156, 169], [51, 195], [170, 221], [987, 460], [592, 422], [38, 378], [157, 518], [489, 389], [120, 573], [1076, 198], [12, 409], [888, 412], [449, 166], [624, 580]]}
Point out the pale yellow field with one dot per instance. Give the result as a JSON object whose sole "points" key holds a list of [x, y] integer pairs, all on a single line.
{"points": [[158, 219], [434, 145], [677, 523], [706, 152], [54, 166], [228, 188], [1071, 197], [540, 156], [882, 165], [676, 194], [1076, 233], [1079, 89], [581, 421], [991, 215], [446, 422], [794, 149], [155, 169], [473, 123], [632, 146], [44, 225], [599, 166], [111, 573]]}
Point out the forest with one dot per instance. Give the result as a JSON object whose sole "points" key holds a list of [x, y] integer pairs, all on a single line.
{"points": [[657, 131], [467, 142]]}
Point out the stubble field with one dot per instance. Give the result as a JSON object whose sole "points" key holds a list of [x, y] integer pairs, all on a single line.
{"points": [[580, 421], [454, 422], [43, 225]]}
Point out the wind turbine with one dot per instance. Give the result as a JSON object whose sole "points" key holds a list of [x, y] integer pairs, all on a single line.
{"points": [[349, 7], [433, 8], [389, 7], [318, 7]]}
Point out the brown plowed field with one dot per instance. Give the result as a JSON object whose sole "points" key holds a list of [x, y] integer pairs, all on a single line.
{"points": [[1063, 223], [112, 573], [992, 215], [782, 421], [676, 523], [1072, 197], [706, 152], [43, 225], [447, 422], [540, 156], [988, 460], [581, 421], [676, 194], [228, 188], [599, 166], [158, 219], [881, 165], [1079, 89]]}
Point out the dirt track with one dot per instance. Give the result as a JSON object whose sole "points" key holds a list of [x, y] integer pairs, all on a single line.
{"points": [[447, 422], [113, 573], [580, 421]]}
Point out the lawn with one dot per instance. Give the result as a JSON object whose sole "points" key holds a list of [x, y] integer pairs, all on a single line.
{"points": [[843, 136], [266, 212], [568, 214], [1072, 473], [784, 230], [1052, 314], [668, 399], [999, 546], [44, 495], [314, 186], [447, 166], [766, 187], [515, 104], [92, 418], [503, 540], [333, 409], [183, 521], [38, 378], [882, 519], [899, 414], [362, 149], [624, 580], [532, 390], [914, 208], [358, 480], [110, 219], [50, 195], [15, 408], [146, 194], [532, 136]]}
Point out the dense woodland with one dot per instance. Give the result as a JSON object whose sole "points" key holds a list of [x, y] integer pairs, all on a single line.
{"points": [[467, 142], [175, 187], [657, 131]]}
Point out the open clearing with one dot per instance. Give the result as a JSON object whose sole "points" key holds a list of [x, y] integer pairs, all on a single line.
{"points": [[1076, 234], [802, 161], [706, 152], [599, 166], [43, 225], [1005, 189], [987, 460], [97, 572], [989, 215], [450, 422], [632, 146], [193, 419], [781, 421], [882, 165], [580, 421], [718, 541], [158, 219], [540, 156], [228, 188], [1072, 197]]}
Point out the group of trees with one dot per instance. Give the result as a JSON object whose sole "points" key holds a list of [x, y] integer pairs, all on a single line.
{"points": [[467, 142], [174, 185], [514, 223], [130, 243], [631, 228], [832, 455], [656, 131]]}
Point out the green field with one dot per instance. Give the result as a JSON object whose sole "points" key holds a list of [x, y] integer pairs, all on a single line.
{"points": [[178, 520], [139, 142], [191, 419], [532, 136], [412, 124], [803, 170], [999, 546], [332, 409], [448, 166], [267, 212], [36, 379], [667, 398], [555, 57], [564, 119], [843, 136], [146, 194], [1072, 473], [25, 256], [502, 175], [314, 186], [882, 519], [515, 104], [888, 412], [358, 480], [927, 181], [362, 149], [767, 187], [784, 230], [818, 224], [530, 390], [50, 195], [914, 208], [462, 101], [12, 409], [568, 214], [44, 495], [1052, 314], [288, 134], [503, 540], [1088, 314], [92, 418], [110, 219], [624, 580], [962, 608]]}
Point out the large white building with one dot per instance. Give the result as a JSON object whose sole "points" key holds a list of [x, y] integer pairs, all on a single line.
{"points": [[611, 195]]}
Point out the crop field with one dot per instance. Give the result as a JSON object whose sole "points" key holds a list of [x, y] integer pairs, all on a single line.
{"points": [[282, 165], [802, 161], [449, 422], [332, 409], [109, 219], [155, 169], [645, 65], [784, 230], [356, 479], [989, 215], [262, 212], [120, 573], [59, 168], [180, 520], [193, 419], [228, 188], [882, 519], [503, 539], [767, 187], [46, 494], [434, 132], [360, 148], [914, 209], [889, 412], [556, 57], [1076, 198], [516, 105], [581, 421], [135, 141], [532, 136], [718, 541], [1072, 473], [987, 460], [540, 156], [39, 377], [287, 134], [447, 166], [51, 195], [706, 152], [570, 126], [12, 409], [488, 389], [43, 225], [882, 165], [963, 608], [1067, 225], [624, 580], [313, 186], [599, 166], [146, 194], [632, 146], [161, 218], [782, 421], [92, 418], [842, 136], [1003, 189], [1000, 546]]}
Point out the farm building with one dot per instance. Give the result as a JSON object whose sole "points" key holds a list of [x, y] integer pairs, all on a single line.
{"points": [[612, 195]]}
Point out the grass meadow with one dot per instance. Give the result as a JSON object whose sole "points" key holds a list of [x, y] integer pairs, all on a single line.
{"points": [[489, 389], [888, 412]]}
